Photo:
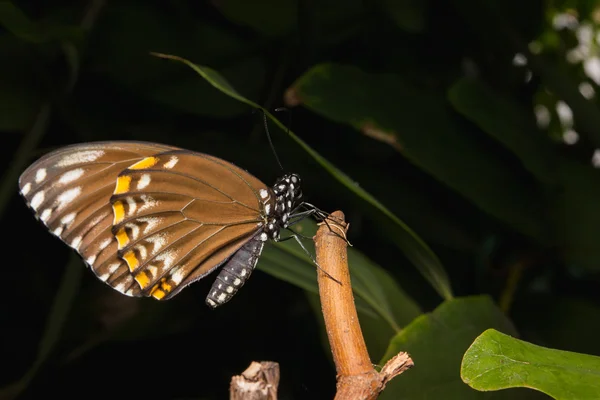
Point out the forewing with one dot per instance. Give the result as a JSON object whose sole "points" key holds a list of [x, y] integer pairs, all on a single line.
{"points": [[179, 215], [69, 190]]}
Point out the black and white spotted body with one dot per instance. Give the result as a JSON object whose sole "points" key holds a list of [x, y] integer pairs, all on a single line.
{"points": [[278, 204]]}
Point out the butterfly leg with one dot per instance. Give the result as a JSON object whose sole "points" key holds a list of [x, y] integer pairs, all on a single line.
{"points": [[296, 237]]}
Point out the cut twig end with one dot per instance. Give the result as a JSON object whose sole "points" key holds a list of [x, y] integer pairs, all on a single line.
{"points": [[258, 382], [395, 366]]}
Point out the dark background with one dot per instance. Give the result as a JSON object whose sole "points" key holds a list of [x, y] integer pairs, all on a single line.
{"points": [[81, 71]]}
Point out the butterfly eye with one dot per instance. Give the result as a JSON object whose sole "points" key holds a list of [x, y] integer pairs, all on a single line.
{"points": [[150, 219]]}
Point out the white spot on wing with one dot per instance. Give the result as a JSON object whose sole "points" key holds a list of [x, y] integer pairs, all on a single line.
{"points": [[68, 219], [70, 176], [152, 223], [243, 273], [263, 237], [171, 163], [144, 181], [37, 200], [26, 188], [153, 270], [142, 250], [104, 277], [76, 243], [104, 244], [113, 268], [90, 260], [158, 240], [263, 193], [40, 175], [237, 281], [149, 202], [58, 231], [168, 257], [212, 303], [46, 215], [178, 276], [135, 230], [222, 297], [66, 197], [229, 289], [131, 204], [80, 158], [121, 287]]}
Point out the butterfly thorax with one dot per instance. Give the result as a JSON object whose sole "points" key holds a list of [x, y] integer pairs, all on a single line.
{"points": [[287, 194]]}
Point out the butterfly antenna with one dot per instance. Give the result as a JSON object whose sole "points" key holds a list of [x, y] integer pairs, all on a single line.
{"points": [[271, 141]]}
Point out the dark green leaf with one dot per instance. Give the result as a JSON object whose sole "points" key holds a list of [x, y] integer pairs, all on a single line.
{"points": [[418, 124], [502, 119], [436, 342]]}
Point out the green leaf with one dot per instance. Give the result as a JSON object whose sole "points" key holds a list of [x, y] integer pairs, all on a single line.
{"points": [[419, 125], [413, 246], [376, 293], [497, 361], [505, 121], [56, 319], [436, 342]]}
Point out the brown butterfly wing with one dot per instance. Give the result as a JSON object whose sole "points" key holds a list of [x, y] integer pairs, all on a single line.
{"points": [[69, 190], [178, 215]]}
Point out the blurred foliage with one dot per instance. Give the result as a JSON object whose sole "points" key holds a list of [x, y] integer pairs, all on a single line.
{"points": [[459, 138]]}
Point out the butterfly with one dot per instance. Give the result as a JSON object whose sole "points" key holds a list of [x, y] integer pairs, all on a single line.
{"points": [[150, 219]]}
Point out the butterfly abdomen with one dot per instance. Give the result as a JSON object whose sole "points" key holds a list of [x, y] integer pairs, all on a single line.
{"points": [[236, 272]]}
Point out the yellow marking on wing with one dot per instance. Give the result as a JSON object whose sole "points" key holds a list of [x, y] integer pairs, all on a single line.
{"points": [[165, 286], [119, 211], [145, 163], [123, 183], [142, 279], [157, 293], [122, 238], [131, 260]]}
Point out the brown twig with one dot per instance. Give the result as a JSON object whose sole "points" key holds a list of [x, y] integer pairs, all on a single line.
{"points": [[356, 377], [258, 382]]}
